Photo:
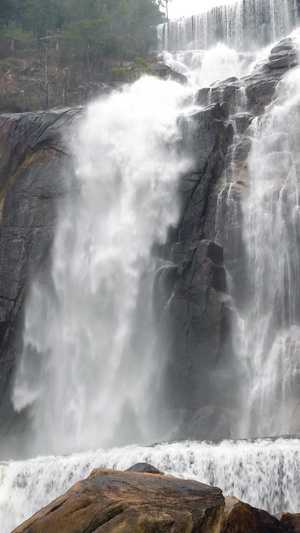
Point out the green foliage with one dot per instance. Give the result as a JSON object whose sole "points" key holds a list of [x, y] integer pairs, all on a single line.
{"points": [[140, 67], [118, 74], [80, 38], [42, 16], [80, 30], [13, 39]]}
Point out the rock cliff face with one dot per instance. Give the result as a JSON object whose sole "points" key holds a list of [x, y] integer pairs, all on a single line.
{"points": [[200, 315], [32, 153], [203, 377]]}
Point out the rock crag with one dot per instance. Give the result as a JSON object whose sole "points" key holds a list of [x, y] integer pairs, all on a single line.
{"points": [[32, 155], [142, 499], [114, 501]]}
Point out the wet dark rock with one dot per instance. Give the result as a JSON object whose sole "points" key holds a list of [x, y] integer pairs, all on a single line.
{"points": [[283, 60], [242, 122], [230, 80], [112, 501], [198, 320], [32, 152], [290, 521], [241, 517], [165, 72], [202, 97], [241, 151], [286, 44], [144, 468], [209, 422], [226, 93], [207, 139], [259, 94]]}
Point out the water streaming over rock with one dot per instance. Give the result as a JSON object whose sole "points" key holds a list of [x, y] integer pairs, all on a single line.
{"points": [[271, 234], [89, 372], [242, 25]]}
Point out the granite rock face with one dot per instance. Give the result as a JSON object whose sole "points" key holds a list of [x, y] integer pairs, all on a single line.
{"points": [[203, 375], [32, 154], [113, 501]]}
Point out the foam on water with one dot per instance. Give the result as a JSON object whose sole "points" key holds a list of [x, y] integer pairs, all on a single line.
{"points": [[264, 473]]}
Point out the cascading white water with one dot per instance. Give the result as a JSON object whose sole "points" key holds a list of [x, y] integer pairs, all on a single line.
{"points": [[264, 473], [88, 371], [241, 25], [206, 68], [271, 321], [89, 374]]}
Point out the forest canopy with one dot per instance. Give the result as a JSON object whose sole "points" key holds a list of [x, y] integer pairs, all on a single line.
{"points": [[99, 28], [64, 52]]}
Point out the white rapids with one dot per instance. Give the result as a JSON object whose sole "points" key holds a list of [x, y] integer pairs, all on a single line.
{"points": [[264, 473]]}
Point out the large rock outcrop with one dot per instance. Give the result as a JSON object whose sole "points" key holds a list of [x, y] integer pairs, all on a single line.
{"points": [[113, 501], [203, 372], [143, 499], [32, 155]]}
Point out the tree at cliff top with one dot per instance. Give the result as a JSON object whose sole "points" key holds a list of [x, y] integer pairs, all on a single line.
{"points": [[104, 27], [68, 44]]}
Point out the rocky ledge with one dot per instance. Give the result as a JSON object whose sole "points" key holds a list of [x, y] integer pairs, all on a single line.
{"points": [[114, 501], [144, 500]]}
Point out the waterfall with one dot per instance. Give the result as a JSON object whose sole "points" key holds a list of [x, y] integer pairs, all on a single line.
{"points": [[241, 25], [88, 372], [271, 318], [264, 473], [90, 375]]}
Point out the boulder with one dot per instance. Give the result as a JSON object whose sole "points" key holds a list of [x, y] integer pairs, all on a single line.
{"points": [[144, 468], [284, 60], [242, 518], [165, 72], [283, 55], [110, 501], [259, 94], [291, 521], [203, 96]]}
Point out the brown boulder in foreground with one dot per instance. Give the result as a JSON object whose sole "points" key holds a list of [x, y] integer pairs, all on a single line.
{"points": [[290, 521], [239, 517], [122, 502]]}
